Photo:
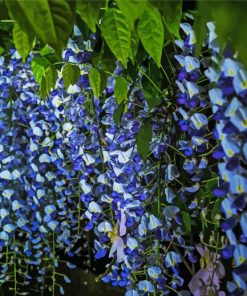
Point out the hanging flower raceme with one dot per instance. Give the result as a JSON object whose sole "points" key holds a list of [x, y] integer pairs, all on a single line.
{"points": [[228, 100], [40, 188]]}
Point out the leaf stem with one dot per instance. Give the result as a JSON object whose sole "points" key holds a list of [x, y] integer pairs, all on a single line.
{"points": [[184, 261], [151, 81], [167, 77]]}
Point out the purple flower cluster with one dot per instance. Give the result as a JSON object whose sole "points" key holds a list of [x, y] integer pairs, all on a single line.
{"points": [[41, 148], [229, 100], [222, 104], [133, 234], [207, 279]]}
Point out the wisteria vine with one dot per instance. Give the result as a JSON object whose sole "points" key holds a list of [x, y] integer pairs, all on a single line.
{"points": [[69, 173]]}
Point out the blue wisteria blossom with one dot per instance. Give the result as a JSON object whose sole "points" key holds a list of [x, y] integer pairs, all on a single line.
{"points": [[40, 204], [230, 132], [73, 179]]}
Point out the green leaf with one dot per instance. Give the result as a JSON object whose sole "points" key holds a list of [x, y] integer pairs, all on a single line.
{"points": [[83, 27], [134, 41], [141, 54], [97, 56], [51, 76], [172, 13], [152, 96], [121, 89], [3, 11], [186, 221], [46, 50], [116, 34], [173, 16], [89, 12], [151, 32], [151, 93], [104, 59], [71, 74], [132, 72], [16, 13], [43, 89], [108, 61], [52, 21], [131, 10], [200, 32], [23, 42], [107, 64], [38, 66], [95, 81], [1, 50], [144, 138], [118, 114]]}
